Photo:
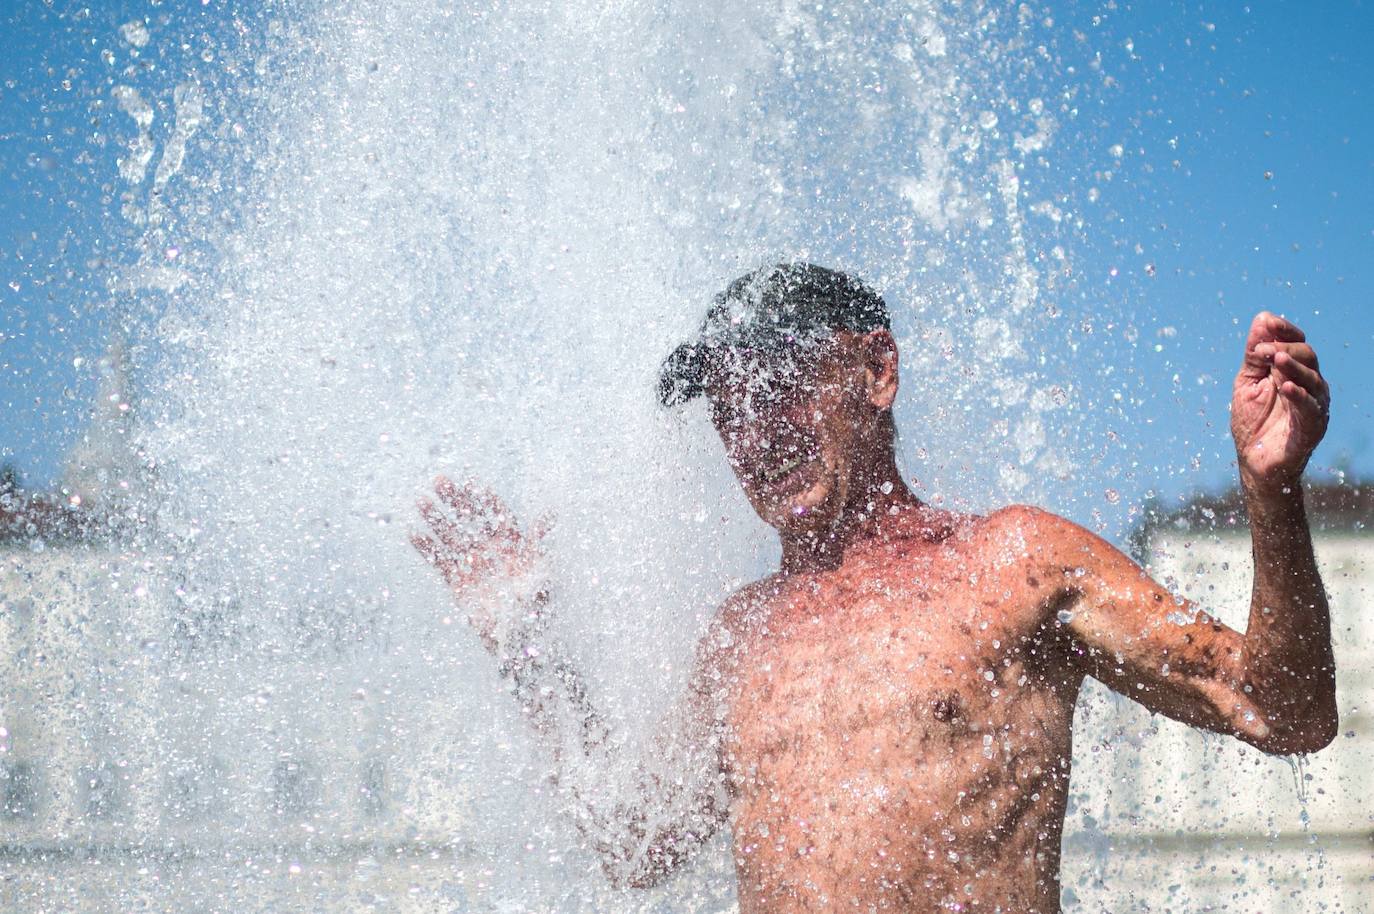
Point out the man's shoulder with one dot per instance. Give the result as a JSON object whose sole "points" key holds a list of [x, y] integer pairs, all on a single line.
{"points": [[1030, 533], [938, 524], [749, 598], [718, 643], [1028, 521], [957, 529], [1034, 538]]}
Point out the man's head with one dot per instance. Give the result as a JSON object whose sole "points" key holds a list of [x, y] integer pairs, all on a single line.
{"points": [[800, 370]]}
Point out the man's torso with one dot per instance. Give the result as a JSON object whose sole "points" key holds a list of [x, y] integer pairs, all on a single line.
{"points": [[899, 730]]}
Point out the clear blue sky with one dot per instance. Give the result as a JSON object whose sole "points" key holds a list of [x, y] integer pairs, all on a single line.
{"points": [[1268, 110]]}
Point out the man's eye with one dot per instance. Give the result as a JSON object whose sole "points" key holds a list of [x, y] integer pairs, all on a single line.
{"points": [[787, 394]]}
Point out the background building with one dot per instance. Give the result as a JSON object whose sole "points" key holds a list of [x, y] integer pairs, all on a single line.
{"points": [[149, 763], [146, 762], [1167, 818]]}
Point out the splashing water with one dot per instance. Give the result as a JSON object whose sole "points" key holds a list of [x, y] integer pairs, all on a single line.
{"points": [[459, 239], [1298, 764]]}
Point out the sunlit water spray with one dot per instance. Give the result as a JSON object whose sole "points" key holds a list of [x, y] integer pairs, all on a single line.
{"points": [[459, 239]]}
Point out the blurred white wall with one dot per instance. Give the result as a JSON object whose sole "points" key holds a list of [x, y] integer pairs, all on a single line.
{"points": [[129, 776], [1167, 818]]}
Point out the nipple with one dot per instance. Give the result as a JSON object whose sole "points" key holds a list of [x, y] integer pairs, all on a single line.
{"points": [[946, 709]]}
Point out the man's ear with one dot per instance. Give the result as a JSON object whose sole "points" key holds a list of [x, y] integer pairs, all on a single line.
{"points": [[880, 366]]}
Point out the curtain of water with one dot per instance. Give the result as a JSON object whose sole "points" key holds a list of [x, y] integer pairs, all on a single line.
{"points": [[459, 237]]}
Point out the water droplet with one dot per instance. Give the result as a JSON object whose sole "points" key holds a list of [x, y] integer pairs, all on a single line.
{"points": [[135, 32]]}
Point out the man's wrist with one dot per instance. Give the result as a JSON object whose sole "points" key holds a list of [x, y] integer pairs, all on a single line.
{"points": [[1274, 486], [1274, 505], [515, 608]]}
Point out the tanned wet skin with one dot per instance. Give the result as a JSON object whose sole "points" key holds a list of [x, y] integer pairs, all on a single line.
{"points": [[885, 723]]}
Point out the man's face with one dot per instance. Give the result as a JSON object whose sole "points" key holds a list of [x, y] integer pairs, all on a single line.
{"points": [[790, 422]]}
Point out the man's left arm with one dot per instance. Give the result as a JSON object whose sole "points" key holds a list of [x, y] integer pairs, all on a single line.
{"points": [[1280, 407], [1273, 686]]}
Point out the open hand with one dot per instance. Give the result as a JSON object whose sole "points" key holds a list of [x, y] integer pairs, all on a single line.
{"points": [[475, 543], [1280, 404]]}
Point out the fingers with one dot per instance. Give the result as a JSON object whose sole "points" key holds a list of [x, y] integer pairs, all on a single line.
{"points": [[1303, 374], [1255, 363], [1301, 353], [1269, 335], [471, 502], [1269, 327], [469, 498], [462, 500], [426, 547], [1313, 408], [1294, 370], [446, 530], [1303, 387], [450, 493], [442, 558], [470, 532], [1295, 364], [1281, 328]]}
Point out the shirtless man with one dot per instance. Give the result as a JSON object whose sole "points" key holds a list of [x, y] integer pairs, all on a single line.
{"points": [[885, 722]]}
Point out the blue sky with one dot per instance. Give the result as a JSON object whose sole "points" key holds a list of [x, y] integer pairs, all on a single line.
{"points": [[1266, 109], [1272, 207]]}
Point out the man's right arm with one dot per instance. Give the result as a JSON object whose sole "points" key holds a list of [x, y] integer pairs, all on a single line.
{"points": [[642, 817]]}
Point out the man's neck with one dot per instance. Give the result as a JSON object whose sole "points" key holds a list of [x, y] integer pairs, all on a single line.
{"points": [[877, 502]]}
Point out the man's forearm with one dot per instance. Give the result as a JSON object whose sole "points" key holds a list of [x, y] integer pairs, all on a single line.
{"points": [[1289, 668], [552, 694], [641, 819]]}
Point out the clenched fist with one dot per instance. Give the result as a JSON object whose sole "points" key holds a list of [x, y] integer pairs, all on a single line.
{"points": [[1280, 405]]}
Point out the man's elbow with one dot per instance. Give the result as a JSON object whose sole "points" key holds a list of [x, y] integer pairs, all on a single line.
{"points": [[642, 879], [1292, 715], [642, 860], [624, 879], [1304, 737], [645, 869]]}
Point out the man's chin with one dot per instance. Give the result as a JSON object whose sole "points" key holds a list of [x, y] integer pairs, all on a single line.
{"points": [[808, 510]]}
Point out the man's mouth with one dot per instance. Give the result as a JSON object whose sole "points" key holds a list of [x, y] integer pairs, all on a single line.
{"points": [[782, 470], [791, 475]]}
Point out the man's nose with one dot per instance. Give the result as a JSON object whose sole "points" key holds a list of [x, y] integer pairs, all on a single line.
{"points": [[752, 439], [782, 420]]}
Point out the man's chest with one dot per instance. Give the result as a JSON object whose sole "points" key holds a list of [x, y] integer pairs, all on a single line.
{"points": [[842, 666]]}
